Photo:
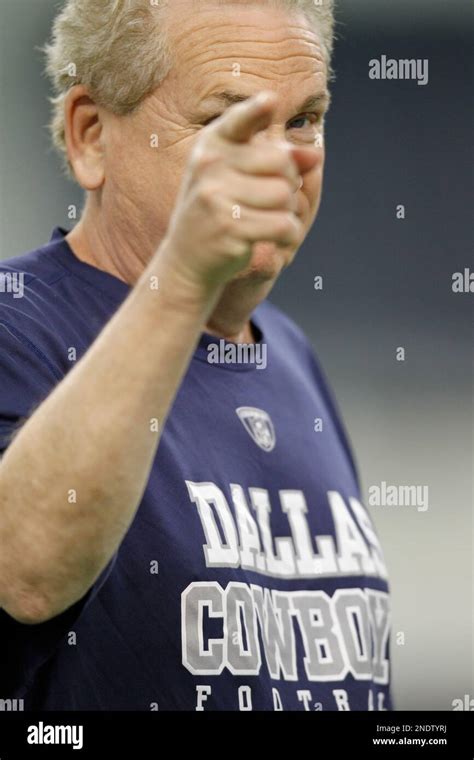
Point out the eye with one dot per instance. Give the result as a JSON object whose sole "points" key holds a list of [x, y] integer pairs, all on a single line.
{"points": [[210, 119], [299, 122]]}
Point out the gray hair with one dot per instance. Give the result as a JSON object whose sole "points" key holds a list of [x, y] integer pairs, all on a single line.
{"points": [[119, 51]]}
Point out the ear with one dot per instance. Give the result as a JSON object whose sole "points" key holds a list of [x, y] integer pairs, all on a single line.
{"points": [[84, 137]]}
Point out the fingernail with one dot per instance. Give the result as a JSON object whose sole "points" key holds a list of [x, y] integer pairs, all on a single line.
{"points": [[260, 98]]}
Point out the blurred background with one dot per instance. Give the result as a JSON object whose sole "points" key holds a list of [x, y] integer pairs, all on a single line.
{"points": [[386, 284]]}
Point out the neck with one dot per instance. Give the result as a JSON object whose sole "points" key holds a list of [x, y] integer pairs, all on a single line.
{"points": [[114, 250], [231, 316]]}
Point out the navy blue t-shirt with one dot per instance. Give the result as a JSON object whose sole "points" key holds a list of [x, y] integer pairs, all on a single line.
{"points": [[251, 577]]}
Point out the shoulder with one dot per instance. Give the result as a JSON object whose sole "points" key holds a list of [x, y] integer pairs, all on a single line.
{"points": [[281, 330], [297, 349], [27, 284], [276, 325], [35, 334], [41, 265], [31, 308]]}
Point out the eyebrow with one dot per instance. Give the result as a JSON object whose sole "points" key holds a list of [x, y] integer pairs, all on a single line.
{"points": [[228, 98]]}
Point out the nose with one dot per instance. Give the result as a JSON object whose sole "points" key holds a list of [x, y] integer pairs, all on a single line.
{"points": [[277, 134]]}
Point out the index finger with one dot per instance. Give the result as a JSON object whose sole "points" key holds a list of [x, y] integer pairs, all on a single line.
{"points": [[243, 120]]}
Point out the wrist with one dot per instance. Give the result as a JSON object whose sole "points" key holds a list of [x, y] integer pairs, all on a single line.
{"points": [[179, 289]]}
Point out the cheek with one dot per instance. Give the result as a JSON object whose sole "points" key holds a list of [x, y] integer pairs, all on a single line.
{"points": [[313, 184], [153, 174], [163, 179], [163, 174]]}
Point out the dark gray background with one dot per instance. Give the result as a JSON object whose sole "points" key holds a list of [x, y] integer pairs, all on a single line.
{"points": [[387, 283]]}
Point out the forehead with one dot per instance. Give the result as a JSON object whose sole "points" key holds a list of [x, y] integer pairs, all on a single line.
{"points": [[225, 43]]}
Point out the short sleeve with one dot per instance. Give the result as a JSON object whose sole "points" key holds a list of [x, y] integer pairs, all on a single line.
{"points": [[27, 377], [335, 413], [292, 338]]}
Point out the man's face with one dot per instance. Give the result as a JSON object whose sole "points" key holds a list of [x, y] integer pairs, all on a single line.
{"points": [[238, 49]]}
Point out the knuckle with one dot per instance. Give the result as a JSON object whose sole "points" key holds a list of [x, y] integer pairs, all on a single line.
{"points": [[279, 160], [204, 157], [225, 223], [208, 193], [284, 225], [282, 193], [222, 220]]}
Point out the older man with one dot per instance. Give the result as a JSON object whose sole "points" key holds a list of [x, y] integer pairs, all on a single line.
{"points": [[181, 529]]}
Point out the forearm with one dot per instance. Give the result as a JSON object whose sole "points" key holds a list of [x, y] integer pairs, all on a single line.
{"points": [[73, 477]]}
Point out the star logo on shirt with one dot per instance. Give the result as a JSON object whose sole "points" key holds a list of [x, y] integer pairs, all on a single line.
{"points": [[258, 425]]}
